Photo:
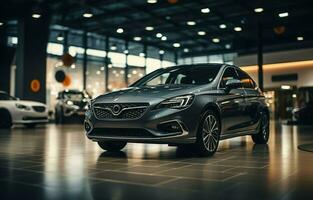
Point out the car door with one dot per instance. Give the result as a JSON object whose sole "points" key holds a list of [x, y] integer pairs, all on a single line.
{"points": [[231, 103], [252, 94]]}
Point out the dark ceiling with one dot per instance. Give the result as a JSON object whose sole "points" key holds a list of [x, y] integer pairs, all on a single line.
{"points": [[169, 17]]}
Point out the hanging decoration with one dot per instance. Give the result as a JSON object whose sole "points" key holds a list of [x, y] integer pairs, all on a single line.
{"points": [[60, 76], [35, 85], [67, 81], [67, 60], [279, 30]]}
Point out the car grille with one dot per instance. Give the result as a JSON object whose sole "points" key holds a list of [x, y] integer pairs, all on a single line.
{"points": [[121, 132], [104, 111], [39, 108]]}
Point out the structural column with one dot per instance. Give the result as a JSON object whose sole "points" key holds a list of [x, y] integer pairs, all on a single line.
{"points": [[145, 51], [106, 62], [32, 56], [260, 56], [126, 64], [176, 57], [85, 46]]}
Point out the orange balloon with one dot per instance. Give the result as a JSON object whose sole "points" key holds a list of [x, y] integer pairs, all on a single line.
{"points": [[67, 81], [35, 85], [279, 30], [172, 1]]}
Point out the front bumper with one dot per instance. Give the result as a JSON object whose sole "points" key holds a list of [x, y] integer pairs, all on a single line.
{"points": [[30, 117], [147, 129]]}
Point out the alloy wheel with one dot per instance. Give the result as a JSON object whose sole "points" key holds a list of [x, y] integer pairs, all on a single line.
{"points": [[210, 133]]}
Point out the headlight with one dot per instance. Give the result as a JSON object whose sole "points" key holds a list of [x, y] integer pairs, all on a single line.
{"points": [[22, 107], [70, 103], [179, 102]]}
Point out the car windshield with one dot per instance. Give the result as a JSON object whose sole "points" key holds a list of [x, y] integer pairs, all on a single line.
{"points": [[6, 97], [74, 96], [186, 75]]}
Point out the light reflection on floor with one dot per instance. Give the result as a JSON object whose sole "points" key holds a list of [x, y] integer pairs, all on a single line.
{"points": [[58, 162]]}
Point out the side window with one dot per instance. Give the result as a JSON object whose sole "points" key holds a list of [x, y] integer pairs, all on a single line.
{"points": [[245, 79], [229, 74]]}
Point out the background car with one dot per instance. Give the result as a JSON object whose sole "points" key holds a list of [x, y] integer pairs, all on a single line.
{"points": [[70, 104], [15, 111], [304, 114], [192, 105]]}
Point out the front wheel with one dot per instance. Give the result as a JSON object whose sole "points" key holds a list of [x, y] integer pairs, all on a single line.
{"points": [[5, 119], [112, 146], [262, 136], [208, 135]]}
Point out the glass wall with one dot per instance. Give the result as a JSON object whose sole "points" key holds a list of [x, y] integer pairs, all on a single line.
{"points": [[220, 58]]}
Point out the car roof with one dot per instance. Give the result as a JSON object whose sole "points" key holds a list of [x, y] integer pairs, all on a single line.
{"points": [[217, 65]]}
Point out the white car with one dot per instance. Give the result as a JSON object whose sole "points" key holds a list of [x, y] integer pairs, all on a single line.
{"points": [[15, 111]]}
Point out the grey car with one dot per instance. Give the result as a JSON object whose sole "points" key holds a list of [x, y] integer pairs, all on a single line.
{"points": [[190, 106]]}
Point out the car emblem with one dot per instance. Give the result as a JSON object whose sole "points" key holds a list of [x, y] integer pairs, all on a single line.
{"points": [[116, 109]]}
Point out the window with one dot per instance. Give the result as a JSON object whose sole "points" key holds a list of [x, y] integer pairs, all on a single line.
{"points": [[229, 74], [245, 79]]}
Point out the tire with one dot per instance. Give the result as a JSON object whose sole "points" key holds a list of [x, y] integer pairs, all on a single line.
{"points": [[58, 116], [262, 136], [6, 120], [31, 125], [208, 135], [112, 146]]}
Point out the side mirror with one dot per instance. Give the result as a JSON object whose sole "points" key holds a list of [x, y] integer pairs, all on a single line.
{"points": [[232, 84]]}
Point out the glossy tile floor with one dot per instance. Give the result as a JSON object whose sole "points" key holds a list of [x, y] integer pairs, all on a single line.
{"points": [[58, 162]]}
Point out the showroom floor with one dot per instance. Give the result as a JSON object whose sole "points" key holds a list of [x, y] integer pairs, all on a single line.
{"points": [[58, 162]]}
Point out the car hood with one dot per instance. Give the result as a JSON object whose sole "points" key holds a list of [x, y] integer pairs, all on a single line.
{"points": [[148, 93]]}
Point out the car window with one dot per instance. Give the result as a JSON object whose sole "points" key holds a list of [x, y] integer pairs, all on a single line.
{"points": [[245, 79], [229, 74], [185, 76], [6, 97]]}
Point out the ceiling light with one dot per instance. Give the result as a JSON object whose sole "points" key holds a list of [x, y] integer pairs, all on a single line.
{"points": [[87, 15], [60, 37], [238, 28], [191, 23], [1, 23], [300, 38], [137, 38], [227, 46], [36, 15], [152, 1], [201, 32], [149, 28], [186, 50], [223, 26], [284, 14], [126, 51], [205, 10], [113, 47], [163, 38], [176, 45], [258, 10], [161, 52], [119, 30], [142, 54], [159, 35], [216, 40], [286, 87]]}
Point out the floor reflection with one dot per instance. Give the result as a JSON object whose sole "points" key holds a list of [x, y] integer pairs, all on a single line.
{"points": [[58, 162]]}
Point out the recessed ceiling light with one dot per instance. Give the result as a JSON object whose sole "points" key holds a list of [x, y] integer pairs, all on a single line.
{"points": [[238, 28], [125, 51], [119, 30], [60, 37], [216, 40], [205, 10], [201, 32], [163, 38], [284, 14], [176, 45], [137, 38], [191, 23], [227, 46], [113, 47], [152, 1], [300, 38], [149, 28], [258, 10], [36, 15], [159, 35], [186, 50], [87, 15], [142, 54], [223, 26], [161, 52], [1, 23], [285, 87]]}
